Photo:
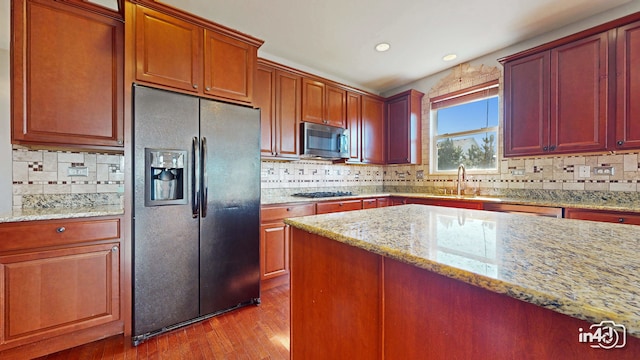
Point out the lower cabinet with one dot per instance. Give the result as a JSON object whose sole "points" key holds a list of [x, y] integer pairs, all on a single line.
{"points": [[464, 204], [620, 217], [525, 209], [60, 283], [338, 206], [274, 242]]}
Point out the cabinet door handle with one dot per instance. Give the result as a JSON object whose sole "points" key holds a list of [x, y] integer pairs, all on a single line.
{"points": [[552, 148], [546, 148], [114, 248], [208, 88], [195, 86], [61, 229], [620, 142]]}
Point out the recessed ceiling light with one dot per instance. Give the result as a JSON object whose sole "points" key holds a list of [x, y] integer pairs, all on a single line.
{"points": [[382, 47], [449, 57]]}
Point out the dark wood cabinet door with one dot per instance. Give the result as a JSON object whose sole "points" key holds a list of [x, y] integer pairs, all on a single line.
{"points": [[288, 114], [579, 91], [336, 102], [404, 138], [354, 125], [67, 66], [619, 217], [313, 103], [229, 67], [627, 133], [373, 137], [274, 250], [55, 292], [264, 99], [338, 206], [526, 105], [398, 130], [168, 51]]}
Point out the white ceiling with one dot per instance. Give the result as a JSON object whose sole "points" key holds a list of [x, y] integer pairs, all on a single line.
{"points": [[337, 37]]}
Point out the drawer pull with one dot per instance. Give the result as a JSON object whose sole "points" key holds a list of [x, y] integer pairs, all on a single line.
{"points": [[61, 229], [288, 209], [114, 248], [620, 220]]}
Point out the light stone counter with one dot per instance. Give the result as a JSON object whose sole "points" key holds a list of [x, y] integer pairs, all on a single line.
{"points": [[588, 270], [60, 213]]}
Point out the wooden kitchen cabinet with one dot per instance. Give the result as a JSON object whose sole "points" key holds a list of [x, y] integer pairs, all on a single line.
{"points": [[61, 284], [373, 131], [627, 133], [620, 217], [278, 96], [556, 101], [463, 204], [323, 103], [354, 126], [274, 242], [383, 202], [67, 76], [404, 118], [179, 52], [524, 209], [369, 203], [326, 207], [579, 95]]}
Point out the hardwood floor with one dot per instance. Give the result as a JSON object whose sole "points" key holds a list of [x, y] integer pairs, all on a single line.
{"points": [[252, 332]]}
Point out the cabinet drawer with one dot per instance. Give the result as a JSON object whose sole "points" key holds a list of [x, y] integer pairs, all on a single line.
{"points": [[337, 206], [282, 212], [369, 203], [604, 216], [34, 234]]}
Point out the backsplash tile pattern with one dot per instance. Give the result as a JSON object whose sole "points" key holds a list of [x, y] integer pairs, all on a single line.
{"points": [[40, 178], [310, 175]]}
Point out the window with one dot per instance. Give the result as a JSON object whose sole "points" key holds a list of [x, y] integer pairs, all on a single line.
{"points": [[465, 129]]}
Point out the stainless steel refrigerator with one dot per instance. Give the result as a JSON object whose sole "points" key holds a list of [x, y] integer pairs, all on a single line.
{"points": [[196, 210]]}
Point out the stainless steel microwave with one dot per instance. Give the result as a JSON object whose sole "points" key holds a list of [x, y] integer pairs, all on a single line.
{"points": [[324, 142]]}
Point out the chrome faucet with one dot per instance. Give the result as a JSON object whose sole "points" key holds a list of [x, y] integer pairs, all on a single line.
{"points": [[462, 175]]}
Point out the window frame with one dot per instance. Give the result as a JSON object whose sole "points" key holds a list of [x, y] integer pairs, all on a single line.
{"points": [[470, 94]]}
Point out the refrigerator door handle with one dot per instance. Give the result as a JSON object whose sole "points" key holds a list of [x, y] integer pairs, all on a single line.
{"points": [[195, 186], [204, 176]]}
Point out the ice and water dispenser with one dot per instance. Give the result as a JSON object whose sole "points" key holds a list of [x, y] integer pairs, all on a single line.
{"points": [[165, 172]]}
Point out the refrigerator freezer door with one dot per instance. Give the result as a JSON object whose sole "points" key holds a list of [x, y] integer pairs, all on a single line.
{"points": [[230, 232], [165, 238]]}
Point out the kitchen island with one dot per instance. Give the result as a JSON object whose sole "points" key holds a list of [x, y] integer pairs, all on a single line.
{"points": [[417, 281]]}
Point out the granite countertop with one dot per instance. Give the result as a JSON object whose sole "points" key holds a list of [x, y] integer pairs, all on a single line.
{"points": [[581, 203], [588, 270], [60, 213]]}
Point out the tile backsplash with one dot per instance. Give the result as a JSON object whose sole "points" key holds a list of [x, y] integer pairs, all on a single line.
{"points": [[41, 178]]}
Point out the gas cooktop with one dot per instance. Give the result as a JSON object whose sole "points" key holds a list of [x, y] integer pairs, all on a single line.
{"points": [[321, 194]]}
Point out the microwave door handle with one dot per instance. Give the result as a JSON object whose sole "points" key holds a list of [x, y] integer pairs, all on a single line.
{"points": [[342, 143], [195, 188]]}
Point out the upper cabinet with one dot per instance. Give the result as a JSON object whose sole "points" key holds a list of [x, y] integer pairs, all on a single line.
{"points": [[373, 130], [556, 101], [628, 87], [278, 97], [575, 95], [404, 118], [184, 53], [67, 76], [323, 103]]}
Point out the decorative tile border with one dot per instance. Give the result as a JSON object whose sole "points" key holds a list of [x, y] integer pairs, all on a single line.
{"points": [[39, 175]]}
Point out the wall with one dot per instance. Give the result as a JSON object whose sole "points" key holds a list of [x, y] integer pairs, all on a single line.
{"points": [[543, 176], [309, 175]]}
